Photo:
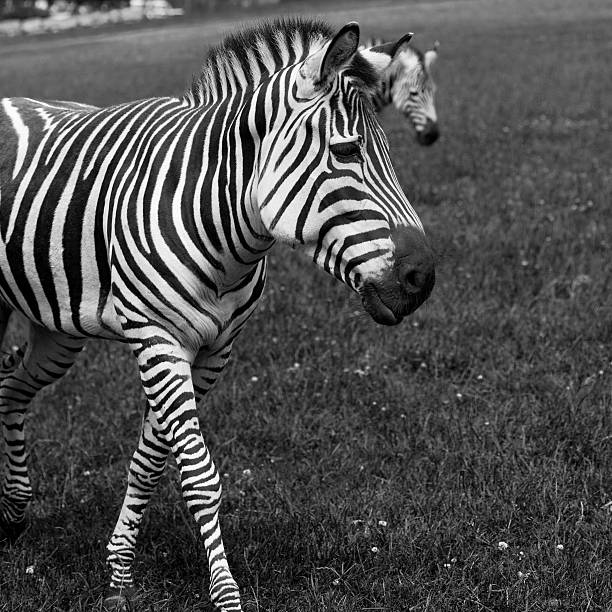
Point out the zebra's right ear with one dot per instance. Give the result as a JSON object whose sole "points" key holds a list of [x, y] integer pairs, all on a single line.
{"points": [[339, 51], [321, 67]]}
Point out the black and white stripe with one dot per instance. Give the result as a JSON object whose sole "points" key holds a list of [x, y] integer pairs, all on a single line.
{"points": [[408, 85], [149, 223]]}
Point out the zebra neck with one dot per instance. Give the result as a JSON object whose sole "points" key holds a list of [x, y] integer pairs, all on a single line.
{"points": [[224, 217]]}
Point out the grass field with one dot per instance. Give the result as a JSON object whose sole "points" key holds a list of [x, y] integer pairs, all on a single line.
{"points": [[368, 468]]}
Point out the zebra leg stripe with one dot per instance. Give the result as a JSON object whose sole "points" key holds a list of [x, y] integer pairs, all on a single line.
{"points": [[168, 384], [146, 468], [48, 356]]}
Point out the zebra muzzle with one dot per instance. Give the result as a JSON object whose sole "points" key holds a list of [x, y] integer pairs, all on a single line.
{"points": [[404, 287], [376, 308]]}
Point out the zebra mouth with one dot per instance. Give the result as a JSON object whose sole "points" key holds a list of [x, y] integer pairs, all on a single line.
{"points": [[376, 308]]}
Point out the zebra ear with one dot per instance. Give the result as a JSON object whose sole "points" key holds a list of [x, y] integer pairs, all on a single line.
{"points": [[321, 67], [339, 51], [391, 48], [431, 55]]}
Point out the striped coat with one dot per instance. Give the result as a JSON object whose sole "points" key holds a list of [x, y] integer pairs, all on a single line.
{"points": [[408, 85]]}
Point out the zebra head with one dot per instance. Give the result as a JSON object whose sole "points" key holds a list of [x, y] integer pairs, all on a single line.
{"points": [[413, 90], [327, 183]]}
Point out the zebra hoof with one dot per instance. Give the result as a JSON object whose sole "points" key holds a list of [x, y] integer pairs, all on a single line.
{"points": [[119, 600], [10, 532]]}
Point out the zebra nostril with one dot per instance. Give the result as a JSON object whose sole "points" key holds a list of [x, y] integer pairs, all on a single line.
{"points": [[413, 278], [410, 279]]}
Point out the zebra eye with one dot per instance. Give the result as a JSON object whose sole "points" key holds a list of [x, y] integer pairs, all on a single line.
{"points": [[414, 92], [346, 151]]}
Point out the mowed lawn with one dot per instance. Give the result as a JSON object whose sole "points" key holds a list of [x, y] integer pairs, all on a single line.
{"points": [[370, 468]]}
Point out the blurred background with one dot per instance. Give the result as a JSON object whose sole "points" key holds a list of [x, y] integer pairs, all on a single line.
{"points": [[458, 461]]}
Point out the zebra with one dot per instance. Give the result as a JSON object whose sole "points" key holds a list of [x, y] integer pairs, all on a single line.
{"points": [[408, 85], [149, 223]]}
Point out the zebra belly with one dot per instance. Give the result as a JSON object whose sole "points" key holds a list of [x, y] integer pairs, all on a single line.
{"points": [[93, 316]]}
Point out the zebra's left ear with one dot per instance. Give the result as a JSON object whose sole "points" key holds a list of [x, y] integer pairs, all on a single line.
{"points": [[381, 56], [431, 55]]}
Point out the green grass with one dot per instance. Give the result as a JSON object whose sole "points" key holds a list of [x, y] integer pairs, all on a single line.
{"points": [[486, 417]]}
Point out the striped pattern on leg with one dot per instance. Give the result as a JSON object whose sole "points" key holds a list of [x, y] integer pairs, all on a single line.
{"points": [[166, 375], [47, 357], [146, 468]]}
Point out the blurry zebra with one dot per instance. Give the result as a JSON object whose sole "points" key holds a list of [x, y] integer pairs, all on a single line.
{"points": [[149, 222], [408, 85]]}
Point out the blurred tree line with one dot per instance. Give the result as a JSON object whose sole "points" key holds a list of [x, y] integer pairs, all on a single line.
{"points": [[22, 9]]}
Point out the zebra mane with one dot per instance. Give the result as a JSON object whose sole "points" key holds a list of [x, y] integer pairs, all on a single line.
{"points": [[244, 58]]}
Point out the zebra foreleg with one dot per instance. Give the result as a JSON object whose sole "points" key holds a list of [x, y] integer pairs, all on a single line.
{"points": [[166, 377], [146, 468], [47, 357]]}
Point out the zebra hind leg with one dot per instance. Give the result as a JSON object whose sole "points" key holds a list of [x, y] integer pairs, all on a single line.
{"points": [[9, 360], [47, 357]]}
